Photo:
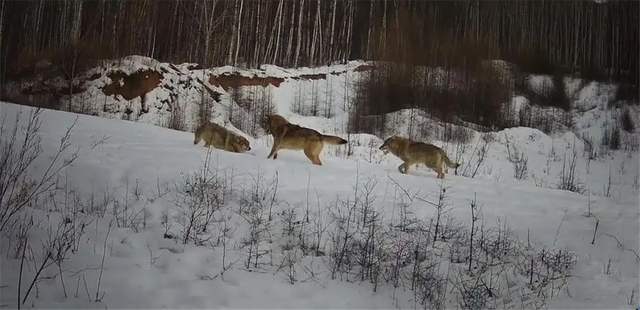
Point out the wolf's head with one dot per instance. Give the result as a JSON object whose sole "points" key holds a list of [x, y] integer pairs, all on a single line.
{"points": [[241, 144], [390, 144], [274, 121]]}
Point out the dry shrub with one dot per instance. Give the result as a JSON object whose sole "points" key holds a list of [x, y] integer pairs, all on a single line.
{"points": [[628, 92], [474, 96], [68, 61], [252, 103], [456, 134], [531, 59], [550, 95], [29, 64], [448, 79], [626, 121], [75, 59]]}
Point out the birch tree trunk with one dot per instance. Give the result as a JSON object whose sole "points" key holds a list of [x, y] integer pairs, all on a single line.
{"points": [[289, 42], [234, 33], [235, 57], [332, 33], [370, 32], [299, 38], [343, 31], [320, 33], [114, 34], [312, 52], [208, 24], [77, 21], [3, 71], [383, 32], [352, 11], [274, 33]]}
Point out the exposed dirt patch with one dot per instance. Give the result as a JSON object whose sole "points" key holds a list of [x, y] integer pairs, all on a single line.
{"points": [[363, 68], [134, 85], [317, 76], [226, 81], [323, 76]]}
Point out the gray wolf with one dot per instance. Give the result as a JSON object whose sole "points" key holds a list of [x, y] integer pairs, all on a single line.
{"points": [[220, 138], [414, 152], [290, 136]]}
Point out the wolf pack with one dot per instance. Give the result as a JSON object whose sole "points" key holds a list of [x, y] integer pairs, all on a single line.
{"points": [[289, 136]]}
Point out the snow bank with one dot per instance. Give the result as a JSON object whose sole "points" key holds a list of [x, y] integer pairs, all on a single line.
{"points": [[126, 202]]}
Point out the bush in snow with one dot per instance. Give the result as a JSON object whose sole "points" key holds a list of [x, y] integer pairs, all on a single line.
{"points": [[43, 219], [439, 259], [200, 199]]}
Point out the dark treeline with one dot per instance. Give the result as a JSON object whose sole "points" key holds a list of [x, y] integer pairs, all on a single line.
{"points": [[600, 40]]}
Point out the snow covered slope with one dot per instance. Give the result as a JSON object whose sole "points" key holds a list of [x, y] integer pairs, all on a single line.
{"points": [[286, 234]]}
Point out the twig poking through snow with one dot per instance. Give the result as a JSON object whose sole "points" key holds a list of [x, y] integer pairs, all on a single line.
{"points": [[555, 239]]}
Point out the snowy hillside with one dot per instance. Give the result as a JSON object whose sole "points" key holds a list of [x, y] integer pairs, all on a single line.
{"points": [[531, 220], [144, 90], [142, 218]]}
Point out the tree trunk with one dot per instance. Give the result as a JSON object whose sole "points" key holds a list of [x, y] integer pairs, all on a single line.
{"points": [[235, 57], [299, 37], [77, 21], [332, 33]]}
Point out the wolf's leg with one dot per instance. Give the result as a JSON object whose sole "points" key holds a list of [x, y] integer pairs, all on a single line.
{"points": [[273, 154], [439, 171], [404, 168], [274, 149], [310, 156], [316, 153], [313, 156]]}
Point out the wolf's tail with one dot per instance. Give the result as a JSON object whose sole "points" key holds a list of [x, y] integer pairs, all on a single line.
{"points": [[333, 140], [448, 161]]}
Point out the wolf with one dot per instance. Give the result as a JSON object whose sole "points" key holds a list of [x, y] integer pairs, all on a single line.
{"points": [[221, 138], [290, 136], [414, 152]]}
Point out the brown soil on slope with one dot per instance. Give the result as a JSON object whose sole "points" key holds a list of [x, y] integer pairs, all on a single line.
{"points": [[133, 85]]}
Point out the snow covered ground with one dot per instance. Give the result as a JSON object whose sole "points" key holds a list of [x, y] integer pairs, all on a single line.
{"points": [[142, 218], [277, 228]]}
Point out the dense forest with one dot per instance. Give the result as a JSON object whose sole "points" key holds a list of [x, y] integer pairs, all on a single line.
{"points": [[593, 40], [597, 39]]}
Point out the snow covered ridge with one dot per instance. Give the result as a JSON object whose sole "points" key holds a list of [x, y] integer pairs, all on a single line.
{"points": [[142, 89], [532, 220], [195, 229]]}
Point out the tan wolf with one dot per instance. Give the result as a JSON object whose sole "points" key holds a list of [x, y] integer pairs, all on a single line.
{"points": [[221, 138], [414, 152], [290, 136]]}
